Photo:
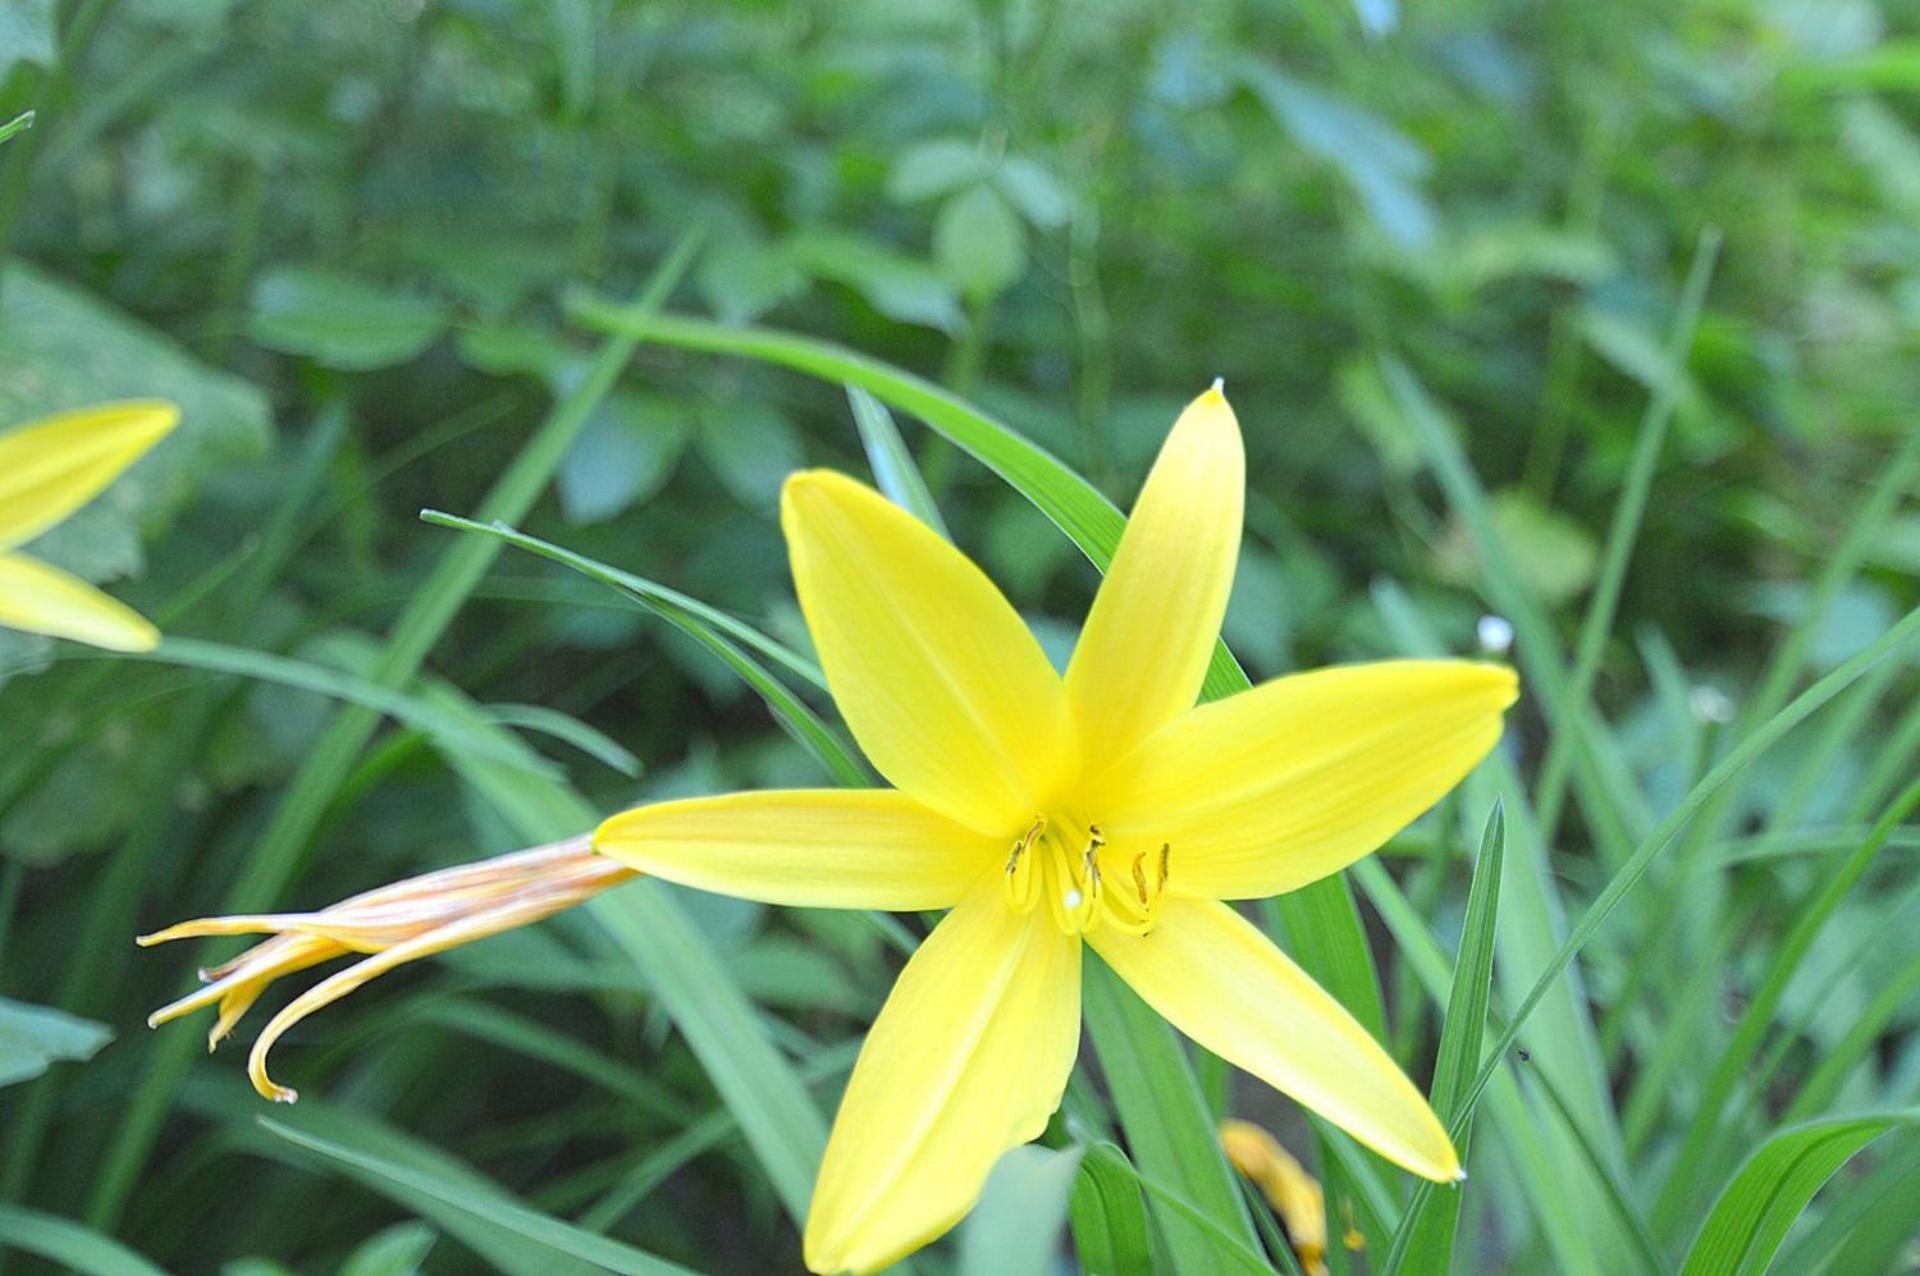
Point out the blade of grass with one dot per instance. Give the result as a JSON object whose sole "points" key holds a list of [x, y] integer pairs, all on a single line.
{"points": [[228, 1102], [704, 625], [1426, 1237], [892, 465], [650, 594], [1109, 1218], [568, 729], [74, 1247], [1867, 1229], [1862, 1039], [412, 1186], [707, 1132], [275, 858], [1756, 1208]]}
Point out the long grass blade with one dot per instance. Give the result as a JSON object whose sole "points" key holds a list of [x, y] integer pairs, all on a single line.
{"points": [[73, 1247], [1426, 1237], [415, 1186], [1762, 1201]]}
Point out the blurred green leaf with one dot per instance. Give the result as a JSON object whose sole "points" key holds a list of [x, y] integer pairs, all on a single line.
{"points": [[743, 277], [26, 33], [979, 243], [933, 167], [751, 447], [1554, 555], [895, 285], [1035, 190], [33, 1038], [625, 454], [1385, 167], [341, 321]]}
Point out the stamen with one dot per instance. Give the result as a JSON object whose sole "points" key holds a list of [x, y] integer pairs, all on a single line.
{"points": [[1022, 886]]}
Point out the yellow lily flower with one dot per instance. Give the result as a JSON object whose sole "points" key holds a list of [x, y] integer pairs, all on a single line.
{"points": [[1100, 808], [49, 469]]}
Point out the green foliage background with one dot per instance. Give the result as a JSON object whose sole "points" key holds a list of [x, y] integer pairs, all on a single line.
{"points": [[360, 244]]}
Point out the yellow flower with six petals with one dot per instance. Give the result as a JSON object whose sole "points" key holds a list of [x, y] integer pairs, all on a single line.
{"points": [[49, 469], [1047, 813]]}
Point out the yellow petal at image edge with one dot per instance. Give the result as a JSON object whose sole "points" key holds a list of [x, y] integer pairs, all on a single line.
{"points": [[936, 675], [825, 848], [1143, 652], [1266, 791], [1210, 973], [968, 1058], [44, 600], [51, 467]]}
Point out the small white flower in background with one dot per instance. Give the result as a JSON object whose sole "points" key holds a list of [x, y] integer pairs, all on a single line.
{"points": [[1710, 705], [1495, 634]]}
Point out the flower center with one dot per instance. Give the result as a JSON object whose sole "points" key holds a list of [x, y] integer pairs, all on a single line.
{"points": [[1067, 863]]}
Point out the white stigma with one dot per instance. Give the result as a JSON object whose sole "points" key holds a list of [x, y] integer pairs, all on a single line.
{"points": [[1073, 897]]}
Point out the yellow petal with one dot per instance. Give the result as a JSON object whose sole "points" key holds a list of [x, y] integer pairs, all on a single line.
{"points": [[44, 600], [1144, 649], [52, 467], [833, 848], [1276, 787], [967, 1059], [937, 677], [1214, 976]]}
